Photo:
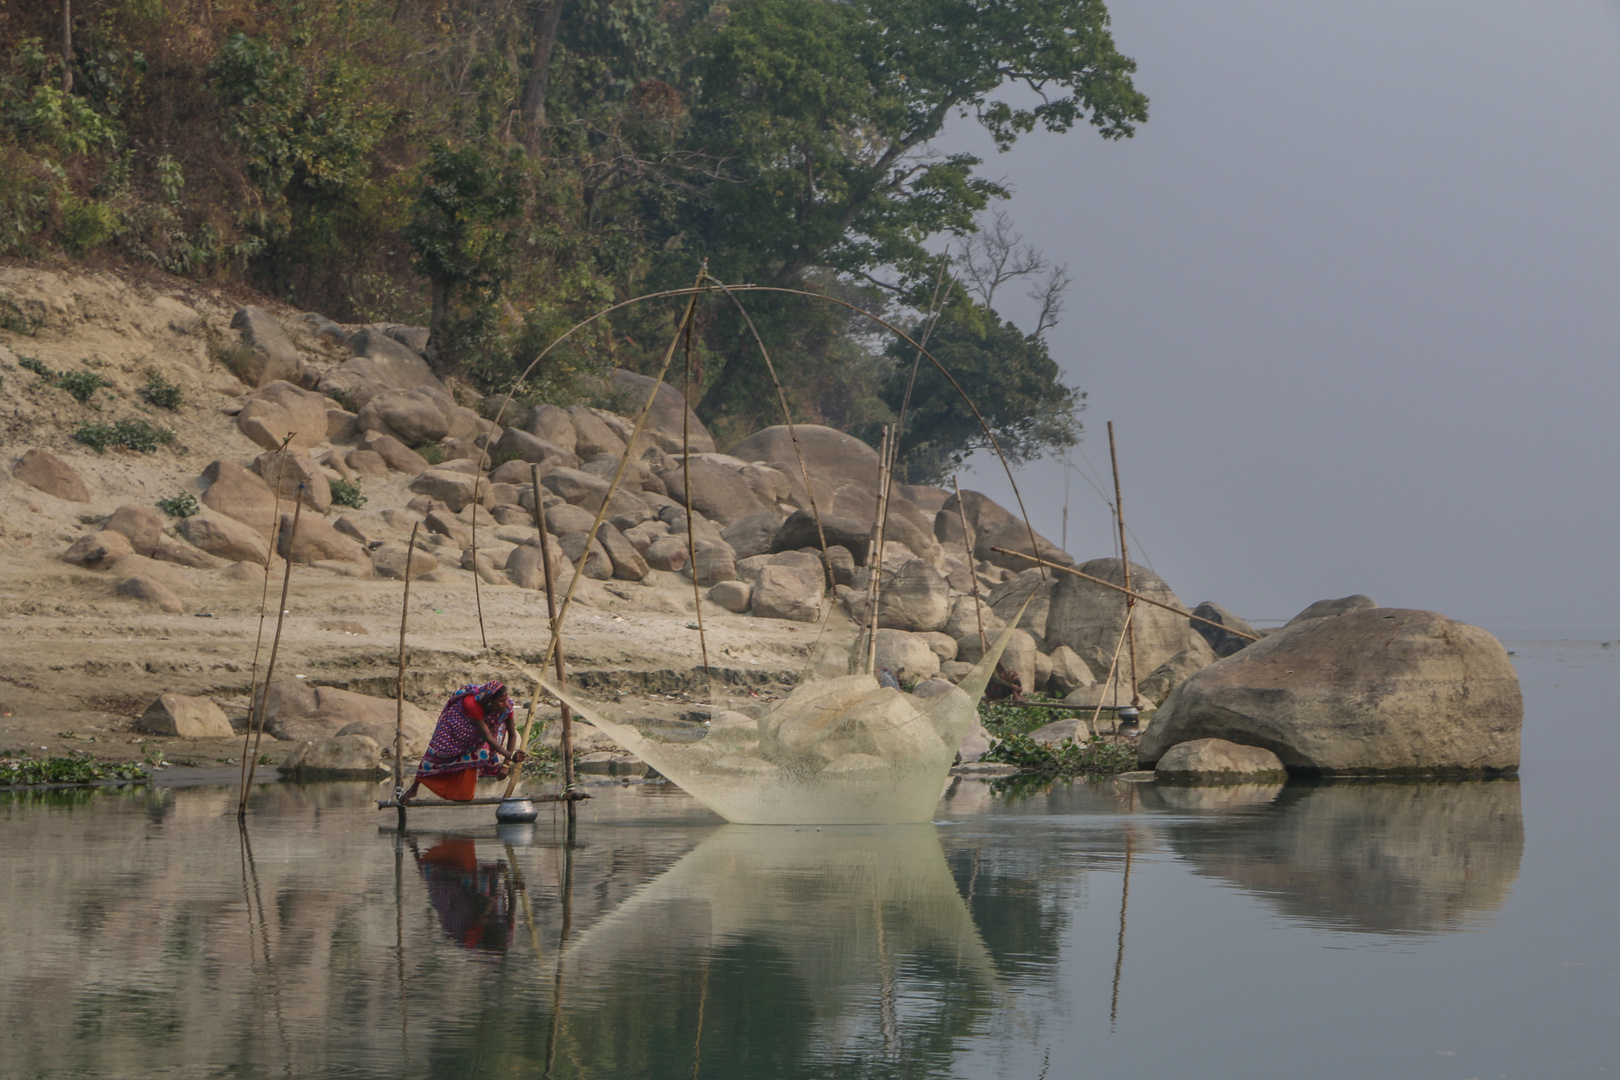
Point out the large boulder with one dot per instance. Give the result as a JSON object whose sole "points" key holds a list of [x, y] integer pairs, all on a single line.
{"points": [[414, 417], [1216, 761], [341, 757], [1220, 635], [799, 531], [669, 413], [269, 353], [141, 525], [298, 477], [1156, 685], [1015, 536], [1033, 584], [39, 468], [1377, 691], [915, 598], [1069, 672], [240, 494], [828, 454], [628, 564], [908, 655], [295, 711], [554, 425], [453, 488], [753, 534], [592, 435], [187, 717], [1327, 609], [395, 454], [396, 365], [515, 444], [147, 588], [982, 512], [226, 537], [281, 410], [1089, 618], [787, 592], [716, 562], [718, 493], [97, 550], [316, 539]]}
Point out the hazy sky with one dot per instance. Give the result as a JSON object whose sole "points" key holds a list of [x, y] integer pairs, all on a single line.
{"points": [[1349, 299]]}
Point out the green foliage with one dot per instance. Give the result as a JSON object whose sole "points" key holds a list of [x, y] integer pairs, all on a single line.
{"points": [[1067, 758], [161, 392], [21, 772], [345, 399], [347, 493], [432, 453], [82, 385], [183, 505], [38, 367], [13, 319], [141, 436], [1012, 379], [1005, 717]]}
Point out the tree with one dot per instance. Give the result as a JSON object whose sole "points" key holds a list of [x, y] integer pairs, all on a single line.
{"points": [[824, 113], [1013, 379], [460, 229]]}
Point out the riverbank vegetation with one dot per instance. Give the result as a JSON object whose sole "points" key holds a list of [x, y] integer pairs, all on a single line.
{"points": [[500, 169], [20, 770]]}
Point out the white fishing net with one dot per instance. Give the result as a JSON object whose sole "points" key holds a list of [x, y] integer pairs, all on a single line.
{"points": [[840, 749]]}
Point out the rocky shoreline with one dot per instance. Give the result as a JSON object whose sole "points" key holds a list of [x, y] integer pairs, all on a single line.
{"points": [[125, 622]]}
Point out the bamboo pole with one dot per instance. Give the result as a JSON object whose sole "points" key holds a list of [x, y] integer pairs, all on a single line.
{"points": [[1137, 595], [399, 682], [556, 638], [1091, 725], [1125, 561], [484, 800], [874, 560], [978, 610], [264, 602], [275, 648], [686, 484], [478, 595]]}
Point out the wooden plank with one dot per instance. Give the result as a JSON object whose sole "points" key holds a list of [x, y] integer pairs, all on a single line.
{"points": [[490, 800]]}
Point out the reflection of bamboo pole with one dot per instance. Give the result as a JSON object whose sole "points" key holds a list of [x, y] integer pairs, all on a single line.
{"points": [[399, 682], [1125, 562], [973, 578], [1144, 599], [555, 1036], [1124, 904], [703, 1005], [523, 899], [275, 648], [567, 743], [399, 948]]}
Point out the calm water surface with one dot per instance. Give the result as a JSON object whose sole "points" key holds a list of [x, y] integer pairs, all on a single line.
{"points": [[1340, 930]]}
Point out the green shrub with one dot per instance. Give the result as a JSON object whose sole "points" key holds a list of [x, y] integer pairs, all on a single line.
{"points": [[161, 392], [81, 384], [345, 399], [14, 319], [183, 505], [139, 435], [1067, 758], [64, 770], [36, 366], [347, 493], [432, 453]]}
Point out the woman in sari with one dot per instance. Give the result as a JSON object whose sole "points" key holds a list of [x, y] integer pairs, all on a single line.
{"points": [[474, 735]]}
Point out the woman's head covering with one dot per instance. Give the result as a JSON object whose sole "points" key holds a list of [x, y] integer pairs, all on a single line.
{"points": [[488, 692]]}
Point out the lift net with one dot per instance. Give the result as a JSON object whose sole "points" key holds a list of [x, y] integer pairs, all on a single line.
{"points": [[839, 749]]}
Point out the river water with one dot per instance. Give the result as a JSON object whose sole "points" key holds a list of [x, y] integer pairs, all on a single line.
{"points": [[1413, 930]]}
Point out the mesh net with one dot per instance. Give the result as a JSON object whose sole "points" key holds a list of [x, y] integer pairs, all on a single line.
{"points": [[839, 749]]}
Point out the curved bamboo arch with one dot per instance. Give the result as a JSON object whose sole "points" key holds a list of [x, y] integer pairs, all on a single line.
{"points": [[706, 284]]}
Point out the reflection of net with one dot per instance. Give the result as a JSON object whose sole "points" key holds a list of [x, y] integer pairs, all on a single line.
{"points": [[839, 749]]}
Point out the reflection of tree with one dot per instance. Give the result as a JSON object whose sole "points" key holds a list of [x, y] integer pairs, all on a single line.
{"points": [[1381, 857]]}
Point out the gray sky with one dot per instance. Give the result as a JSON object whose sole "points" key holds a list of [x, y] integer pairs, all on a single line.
{"points": [[1348, 299]]}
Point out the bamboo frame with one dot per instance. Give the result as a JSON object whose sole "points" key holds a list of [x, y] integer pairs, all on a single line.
{"points": [[264, 602], [275, 649], [399, 680], [1124, 561]]}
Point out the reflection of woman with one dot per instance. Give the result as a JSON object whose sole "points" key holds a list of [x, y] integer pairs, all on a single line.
{"points": [[473, 899], [473, 735]]}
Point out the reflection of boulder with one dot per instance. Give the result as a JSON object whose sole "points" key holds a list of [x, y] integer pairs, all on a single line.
{"points": [[846, 908], [1374, 857]]}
